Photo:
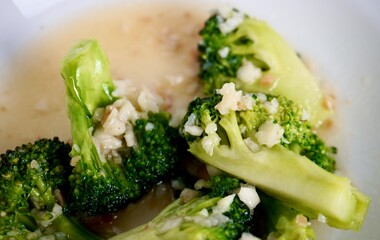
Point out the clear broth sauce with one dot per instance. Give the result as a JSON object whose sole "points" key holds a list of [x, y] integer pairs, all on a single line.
{"points": [[151, 46]]}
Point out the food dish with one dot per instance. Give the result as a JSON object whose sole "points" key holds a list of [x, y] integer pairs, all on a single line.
{"points": [[348, 62]]}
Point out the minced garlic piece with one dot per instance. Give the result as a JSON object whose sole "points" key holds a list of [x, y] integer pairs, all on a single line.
{"points": [[129, 136], [249, 196], [34, 164], [223, 53], [269, 134], [230, 99], [148, 101], [112, 124], [272, 106], [231, 23], [190, 126], [209, 142], [127, 112], [248, 236], [246, 102], [248, 73], [223, 205]]}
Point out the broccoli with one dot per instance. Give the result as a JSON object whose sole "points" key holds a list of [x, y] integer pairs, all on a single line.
{"points": [[237, 48], [282, 222], [158, 153], [104, 182], [31, 178], [249, 147], [222, 216], [222, 185]]}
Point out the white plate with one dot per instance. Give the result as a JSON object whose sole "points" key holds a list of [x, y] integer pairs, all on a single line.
{"points": [[342, 40]]}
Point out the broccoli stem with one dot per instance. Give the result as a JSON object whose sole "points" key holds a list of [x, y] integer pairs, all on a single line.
{"points": [[289, 177], [72, 228]]}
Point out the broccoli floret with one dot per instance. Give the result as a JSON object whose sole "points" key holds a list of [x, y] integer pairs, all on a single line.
{"points": [[237, 48], [299, 136], [222, 185], [31, 176], [157, 153], [218, 135], [200, 218], [104, 183]]}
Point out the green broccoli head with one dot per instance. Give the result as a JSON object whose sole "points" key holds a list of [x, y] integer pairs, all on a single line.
{"points": [[237, 48], [30, 176], [222, 185], [218, 134], [36, 169], [107, 176], [157, 152]]}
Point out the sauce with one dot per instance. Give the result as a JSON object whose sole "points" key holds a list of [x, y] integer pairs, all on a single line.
{"points": [[148, 46]]}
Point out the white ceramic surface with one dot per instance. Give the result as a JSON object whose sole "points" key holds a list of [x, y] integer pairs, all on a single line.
{"points": [[340, 37]]}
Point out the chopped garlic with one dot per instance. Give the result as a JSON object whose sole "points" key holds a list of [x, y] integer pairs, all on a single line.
{"points": [[225, 11], [149, 126], [261, 96], [249, 196], [212, 220], [230, 99], [148, 101], [223, 205], [209, 142], [272, 106], [211, 128], [248, 73], [34, 164], [106, 141], [127, 112], [246, 102], [201, 183], [231, 23], [188, 194], [248, 236], [112, 124], [190, 126], [129, 136], [269, 134], [45, 218], [223, 53]]}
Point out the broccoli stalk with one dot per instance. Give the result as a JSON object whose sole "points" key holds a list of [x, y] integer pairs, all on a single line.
{"points": [[196, 219], [97, 186], [276, 170], [101, 184], [283, 222], [30, 177], [278, 69]]}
